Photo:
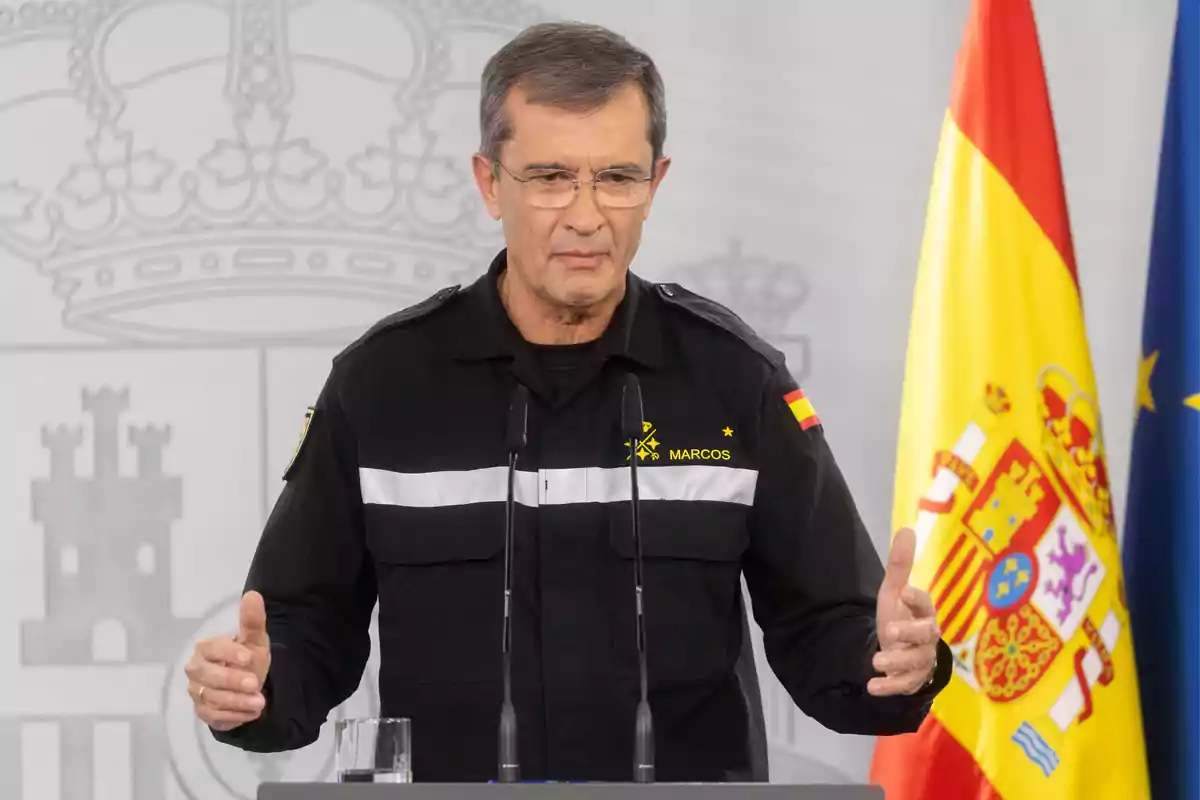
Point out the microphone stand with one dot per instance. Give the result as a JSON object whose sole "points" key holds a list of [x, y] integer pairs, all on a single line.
{"points": [[509, 764], [643, 741]]}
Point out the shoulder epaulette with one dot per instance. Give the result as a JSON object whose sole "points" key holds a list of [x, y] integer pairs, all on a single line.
{"points": [[713, 313], [405, 316]]}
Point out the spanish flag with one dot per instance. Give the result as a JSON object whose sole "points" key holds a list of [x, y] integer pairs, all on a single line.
{"points": [[802, 408], [1001, 467]]}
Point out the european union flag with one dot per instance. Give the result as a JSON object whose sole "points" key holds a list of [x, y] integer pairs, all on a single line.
{"points": [[1162, 527]]}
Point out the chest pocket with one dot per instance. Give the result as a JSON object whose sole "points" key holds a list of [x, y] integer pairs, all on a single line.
{"points": [[691, 555], [440, 574]]}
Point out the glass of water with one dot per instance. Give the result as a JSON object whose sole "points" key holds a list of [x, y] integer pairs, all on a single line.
{"points": [[373, 750]]}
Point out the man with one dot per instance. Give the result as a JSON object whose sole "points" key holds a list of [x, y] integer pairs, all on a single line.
{"points": [[397, 490]]}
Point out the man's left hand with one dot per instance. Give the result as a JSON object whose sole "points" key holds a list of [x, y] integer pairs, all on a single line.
{"points": [[906, 623]]}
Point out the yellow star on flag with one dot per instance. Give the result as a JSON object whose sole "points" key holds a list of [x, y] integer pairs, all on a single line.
{"points": [[1145, 399], [1193, 401]]}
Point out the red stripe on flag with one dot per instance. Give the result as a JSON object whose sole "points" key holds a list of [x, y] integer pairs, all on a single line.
{"points": [[927, 764], [793, 396], [1000, 102], [958, 543], [962, 599], [967, 563], [956, 635], [809, 422]]}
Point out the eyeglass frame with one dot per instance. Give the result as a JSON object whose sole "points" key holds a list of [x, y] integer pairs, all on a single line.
{"points": [[576, 181]]}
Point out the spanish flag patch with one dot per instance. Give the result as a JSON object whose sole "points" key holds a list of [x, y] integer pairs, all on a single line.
{"points": [[802, 408]]}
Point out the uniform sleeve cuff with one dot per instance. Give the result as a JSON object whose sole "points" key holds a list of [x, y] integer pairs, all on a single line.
{"points": [[271, 732], [905, 713], [942, 670]]}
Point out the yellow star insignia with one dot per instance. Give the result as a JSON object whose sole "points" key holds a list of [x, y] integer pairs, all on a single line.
{"points": [[1145, 399], [728, 431]]}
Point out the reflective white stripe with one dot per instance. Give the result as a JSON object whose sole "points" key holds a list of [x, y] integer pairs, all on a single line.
{"points": [[452, 488], [554, 487]]}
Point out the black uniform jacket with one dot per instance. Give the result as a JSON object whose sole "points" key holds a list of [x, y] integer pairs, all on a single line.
{"points": [[398, 494]]}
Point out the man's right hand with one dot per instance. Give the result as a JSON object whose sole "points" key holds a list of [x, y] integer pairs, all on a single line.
{"points": [[226, 674]]}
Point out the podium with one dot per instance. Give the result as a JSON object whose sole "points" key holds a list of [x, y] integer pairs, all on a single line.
{"points": [[565, 791]]}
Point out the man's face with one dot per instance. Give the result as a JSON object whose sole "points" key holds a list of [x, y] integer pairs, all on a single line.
{"points": [[575, 256]]}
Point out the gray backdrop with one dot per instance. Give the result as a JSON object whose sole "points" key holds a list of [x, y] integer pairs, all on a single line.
{"points": [[202, 200]]}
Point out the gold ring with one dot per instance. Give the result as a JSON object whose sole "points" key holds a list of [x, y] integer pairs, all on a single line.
{"points": [[200, 694]]}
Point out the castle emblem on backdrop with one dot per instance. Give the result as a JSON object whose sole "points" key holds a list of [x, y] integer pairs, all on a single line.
{"points": [[765, 293], [310, 177], [1025, 519], [107, 545]]}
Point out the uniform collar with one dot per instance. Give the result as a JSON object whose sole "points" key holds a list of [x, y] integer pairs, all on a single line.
{"points": [[634, 332]]}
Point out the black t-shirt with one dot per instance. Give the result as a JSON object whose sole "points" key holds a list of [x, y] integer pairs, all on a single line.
{"points": [[561, 364]]}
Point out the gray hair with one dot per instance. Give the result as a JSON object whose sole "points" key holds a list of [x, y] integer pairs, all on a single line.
{"points": [[570, 65]]}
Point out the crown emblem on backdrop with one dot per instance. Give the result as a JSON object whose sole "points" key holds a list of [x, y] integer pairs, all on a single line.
{"points": [[764, 292], [301, 167]]}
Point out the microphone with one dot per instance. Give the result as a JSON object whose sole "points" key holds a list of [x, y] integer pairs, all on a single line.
{"points": [[643, 737], [514, 442]]}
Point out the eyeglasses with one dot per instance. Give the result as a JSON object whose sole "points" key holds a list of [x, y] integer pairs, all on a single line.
{"points": [[556, 188]]}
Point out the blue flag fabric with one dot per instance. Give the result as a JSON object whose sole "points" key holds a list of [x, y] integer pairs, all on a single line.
{"points": [[1162, 526]]}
